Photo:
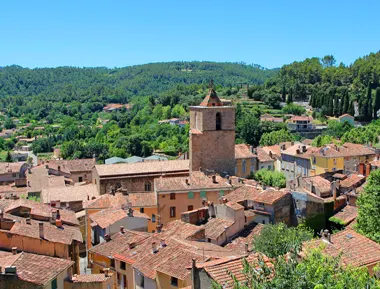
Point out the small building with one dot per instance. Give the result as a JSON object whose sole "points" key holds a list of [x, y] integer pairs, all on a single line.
{"points": [[264, 160], [24, 270], [300, 123], [295, 161], [354, 154], [246, 160], [275, 153], [79, 170], [104, 280], [271, 118], [346, 117], [116, 107], [13, 173]]}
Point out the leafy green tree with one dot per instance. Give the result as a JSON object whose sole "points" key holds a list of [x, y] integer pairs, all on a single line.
{"points": [[8, 158], [292, 108], [376, 106], [277, 240], [368, 221], [328, 61], [270, 178], [9, 124], [336, 129], [275, 137]]}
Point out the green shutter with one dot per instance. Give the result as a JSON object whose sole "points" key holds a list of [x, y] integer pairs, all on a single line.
{"points": [[221, 193], [190, 195], [203, 194], [54, 284]]}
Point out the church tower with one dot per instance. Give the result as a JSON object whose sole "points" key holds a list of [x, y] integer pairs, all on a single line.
{"points": [[212, 135]]}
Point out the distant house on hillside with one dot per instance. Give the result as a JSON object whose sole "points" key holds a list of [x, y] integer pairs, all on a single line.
{"points": [[116, 106], [301, 123], [346, 117], [271, 118]]}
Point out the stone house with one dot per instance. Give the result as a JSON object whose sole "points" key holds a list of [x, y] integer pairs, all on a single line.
{"points": [[246, 160], [78, 171]]}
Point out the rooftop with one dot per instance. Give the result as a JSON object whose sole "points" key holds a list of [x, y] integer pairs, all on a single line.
{"points": [[69, 193], [262, 155], [147, 199], [346, 215], [159, 167], [271, 196], [352, 181], [39, 179], [243, 193], [211, 99], [90, 278], [323, 185], [79, 165], [243, 151], [195, 181], [356, 249], [351, 149], [215, 227], [245, 237], [106, 201], [10, 167], [33, 268]]}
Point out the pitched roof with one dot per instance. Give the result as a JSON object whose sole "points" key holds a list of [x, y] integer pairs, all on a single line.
{"points": [[262, 155], [243, 193], [195, 181], [245, 237], [221, 270], [10, 167], [347, 215], [38, 209], [234, 206], [242, 151], [296, 150], [107, 217], [106, 201], [352, 180], [356, 249], [271, 196], [322, 184], [211, 99], [215, 227], [90, 278], [79, 165], [69, 193], [148, 199], [345, 115], [65, 234], [39, 179], [301, 118], [33, 268], [351, 149], [143, 168]]}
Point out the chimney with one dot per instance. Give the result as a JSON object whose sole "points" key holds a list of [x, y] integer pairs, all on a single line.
{"points": [[1, 215], [154, 248], [107, 237], [271, 154], [251, 149], [303, 149], [47, 166], [246, 248], [230, 181], [41, 229], [122, 229], [28, 221], [106, 272], [88, 197], [333, 189], [187, 182], [163, 243], [53, 216], [28, 183], [14, 250], [211, 210], [214, 179], [58, 204]]}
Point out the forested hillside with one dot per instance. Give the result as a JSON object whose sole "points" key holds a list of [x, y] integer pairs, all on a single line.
{"points": [[333, 89]]}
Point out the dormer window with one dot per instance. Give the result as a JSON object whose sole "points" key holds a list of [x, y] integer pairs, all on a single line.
{"points": [[218, 121]]}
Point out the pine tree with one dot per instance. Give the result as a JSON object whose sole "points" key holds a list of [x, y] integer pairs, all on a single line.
{"points": [[376, 106], [283, 94]]}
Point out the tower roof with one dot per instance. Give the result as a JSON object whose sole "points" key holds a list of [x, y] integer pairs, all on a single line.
{"points": [[211, 99]]}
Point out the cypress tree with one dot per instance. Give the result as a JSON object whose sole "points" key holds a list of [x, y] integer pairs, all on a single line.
{"points": [[346, 102], [290, 96], [336, 105], [376, 107], [330, 106], [369, 103], [351, 108], [283, 94]]}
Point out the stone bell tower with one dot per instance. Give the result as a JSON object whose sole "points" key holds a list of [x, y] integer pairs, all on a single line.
{"points": [[212, 135]]}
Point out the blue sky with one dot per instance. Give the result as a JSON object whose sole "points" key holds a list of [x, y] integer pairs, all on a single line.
{"points": [[115, 33]]}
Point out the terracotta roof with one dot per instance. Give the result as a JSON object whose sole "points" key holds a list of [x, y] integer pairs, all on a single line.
{"points": [[356, 249], [39, 179], [221, 270], [242, 151], [352, 181], [196, 181], [65, 235], [346, 114], [271, 118], [262, 155], [351, 149], [275, 150], [79, 165], [119, 242], [90, 278], [347, 215], [180, 230], [69, 193], [143, 168], [106, 201], [33, 268], [301, 118], [211, 99], [39, 210], [339, 176], [234, 206], [245, 237], [292, 150], [243, 193], [271, 196], [147, 199], [322, 184], [107, 217], [307, 142], [10, 167], [215, 227]]}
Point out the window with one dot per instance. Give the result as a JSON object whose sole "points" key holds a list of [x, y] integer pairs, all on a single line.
{"points": [[190, 207], [218, 121], [190, 195], [203, 195], [148, 186], [263, 222], [236, 170], [334, 161], [142, 210], [80, 179], [252, 167], [112, 263], [122, 265], [140, 280], [314, 160], [14, 175], [208, 240], [95, 181], [153, 218], [174, 281], [221, 193], [54, 284], [172, 212], [243, 166], [270, 168], [172, 196]]}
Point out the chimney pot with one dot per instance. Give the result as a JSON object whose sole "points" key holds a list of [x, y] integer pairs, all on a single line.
{"points": [[154, 248], [41, 229], [214, 179], [122, 229], [163, 243], [246, 247], [1, 214], [28, 221], [187, 182], [14, 250], [106, 273]]}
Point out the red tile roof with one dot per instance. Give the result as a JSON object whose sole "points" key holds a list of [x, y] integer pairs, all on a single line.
{"points": [[90, 278], [106, 201], [6, 168], [215, 227], [352, 181], [143, 200], [79, 165], [33, 268], [301, 118], [196, 181], [243, 193], [322, 184], [159, 167], [245, 237], [262, 155], [271, 196], [347, 215], [234, 206], [351, 149], [107, 217], [69, 193], [211, 99], [243, 151], [356, 249]]}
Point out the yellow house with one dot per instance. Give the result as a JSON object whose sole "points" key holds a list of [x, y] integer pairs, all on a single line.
{"points": [[245, 160], [145, 203], [325, 159]]}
